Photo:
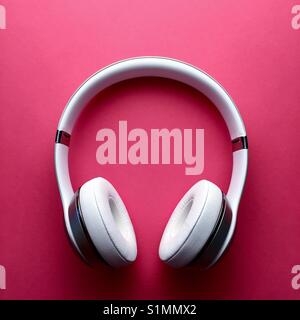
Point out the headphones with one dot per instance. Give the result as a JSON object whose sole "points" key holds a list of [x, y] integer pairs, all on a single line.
{"points": [[203, 222]]}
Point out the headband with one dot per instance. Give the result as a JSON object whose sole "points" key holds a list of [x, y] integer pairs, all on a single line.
{"points": [[153, 67]]}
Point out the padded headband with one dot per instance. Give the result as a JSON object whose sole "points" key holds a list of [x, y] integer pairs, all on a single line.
{"points": [[153, 67]]}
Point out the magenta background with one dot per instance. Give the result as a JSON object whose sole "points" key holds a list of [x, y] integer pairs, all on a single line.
{"points": [[50, 47]]}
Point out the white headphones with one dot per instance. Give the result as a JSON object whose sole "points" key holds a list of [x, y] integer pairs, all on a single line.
{"points": [[202, 224]]}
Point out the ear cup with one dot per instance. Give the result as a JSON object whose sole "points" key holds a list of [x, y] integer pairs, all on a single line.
{"points": [[101, 225], [193, 224]]}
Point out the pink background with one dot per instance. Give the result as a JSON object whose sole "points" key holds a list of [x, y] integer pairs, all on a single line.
{"points": [[51, 46]]}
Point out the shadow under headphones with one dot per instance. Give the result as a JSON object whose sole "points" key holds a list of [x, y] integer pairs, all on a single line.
{"points": [[203, 222]]}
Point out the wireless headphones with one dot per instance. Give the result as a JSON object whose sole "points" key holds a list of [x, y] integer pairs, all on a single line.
{"points": [[202, 224]]}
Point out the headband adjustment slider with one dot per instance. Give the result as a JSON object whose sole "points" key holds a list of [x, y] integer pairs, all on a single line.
{"points": [[62, 137], [239, 143]]}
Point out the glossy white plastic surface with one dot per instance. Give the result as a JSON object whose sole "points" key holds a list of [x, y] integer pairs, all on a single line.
{"points": [[153, 67]]}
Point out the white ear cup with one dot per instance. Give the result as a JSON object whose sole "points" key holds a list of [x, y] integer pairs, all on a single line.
{"points": [[107, 222], [191, 224]]}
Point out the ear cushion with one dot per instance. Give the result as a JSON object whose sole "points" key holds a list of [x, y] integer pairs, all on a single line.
{"points": [[191, 224], [107, 222]]}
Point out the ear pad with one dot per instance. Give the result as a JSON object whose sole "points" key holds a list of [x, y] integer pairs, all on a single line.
{"points": [[194, 226], [101, 225]]}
